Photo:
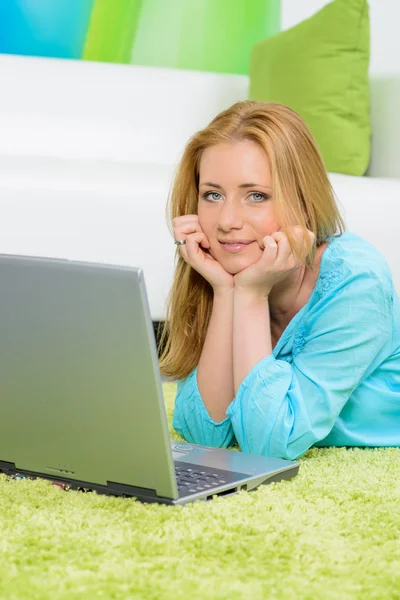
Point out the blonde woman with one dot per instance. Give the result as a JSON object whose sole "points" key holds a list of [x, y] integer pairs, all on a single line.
{"points": [[282, 329]]}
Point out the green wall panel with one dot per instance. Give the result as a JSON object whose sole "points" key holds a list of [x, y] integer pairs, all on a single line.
{"points": [[209, 35], [112, 30], [206, 35]]}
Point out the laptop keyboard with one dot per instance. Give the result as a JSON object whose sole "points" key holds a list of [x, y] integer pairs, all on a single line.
{"points": [[192, 479]]}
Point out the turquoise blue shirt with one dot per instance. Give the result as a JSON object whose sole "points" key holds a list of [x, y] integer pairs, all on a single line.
{"points": [[333, 378]]}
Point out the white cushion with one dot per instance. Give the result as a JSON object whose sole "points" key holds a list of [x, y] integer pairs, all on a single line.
{"points": [[99, 111], [385, 116], [371, 208]]}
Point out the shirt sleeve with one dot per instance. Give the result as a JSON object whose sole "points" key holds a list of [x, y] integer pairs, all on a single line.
{"points": [[192, 421], [281, 408]]}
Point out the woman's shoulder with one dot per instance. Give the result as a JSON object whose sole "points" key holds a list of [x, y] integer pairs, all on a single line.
{"points": [[354, 255], [350, 258]]}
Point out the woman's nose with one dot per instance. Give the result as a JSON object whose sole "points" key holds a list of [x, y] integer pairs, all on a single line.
{"points": [[230, 216]]}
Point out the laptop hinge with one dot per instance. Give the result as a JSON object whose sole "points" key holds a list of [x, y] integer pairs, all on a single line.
{"points": [[117, 488], [132, 490], [7, 466]]}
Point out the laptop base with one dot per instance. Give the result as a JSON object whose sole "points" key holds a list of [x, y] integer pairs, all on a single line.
{"points": [[130, 491]]}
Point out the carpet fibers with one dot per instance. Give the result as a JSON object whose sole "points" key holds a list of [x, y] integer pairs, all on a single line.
{"points": [[333, 532]]}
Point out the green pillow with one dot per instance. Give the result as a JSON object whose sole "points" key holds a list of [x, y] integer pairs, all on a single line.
{"points": [[319, 68]]}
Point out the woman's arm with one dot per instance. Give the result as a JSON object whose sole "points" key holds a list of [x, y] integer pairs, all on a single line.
{"points": [[282, 408], [215, 372], [251, 333], [204, 396], [251, 317]]}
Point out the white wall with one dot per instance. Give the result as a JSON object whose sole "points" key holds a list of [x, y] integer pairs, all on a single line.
{"points": [[385, 38]]}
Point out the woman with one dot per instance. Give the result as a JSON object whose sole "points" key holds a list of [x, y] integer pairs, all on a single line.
{"points": [[284, 332]]}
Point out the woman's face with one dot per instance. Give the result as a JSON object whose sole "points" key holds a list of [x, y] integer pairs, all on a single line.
{"points": [[235, 209]]}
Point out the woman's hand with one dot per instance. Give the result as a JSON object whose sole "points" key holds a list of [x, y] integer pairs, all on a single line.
{"points": [[276, 263], [195, 252]]}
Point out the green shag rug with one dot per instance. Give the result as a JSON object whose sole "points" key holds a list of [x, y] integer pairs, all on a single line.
{"points": [[332, 532]]}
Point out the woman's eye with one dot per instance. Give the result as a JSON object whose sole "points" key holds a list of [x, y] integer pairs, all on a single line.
{"points": [[213, 196], [258, 197]]}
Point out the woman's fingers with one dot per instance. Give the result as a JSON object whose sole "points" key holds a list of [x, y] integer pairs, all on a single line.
{"points": [[302, 243], [311, 235], [186, 225], [184, 219], [193, 243], [283, 247], [193, 246], [270, 247]]}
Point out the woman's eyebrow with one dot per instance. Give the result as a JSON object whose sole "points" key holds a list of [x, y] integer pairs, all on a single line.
{"points": [[243, 185], [246, 185], [209, 183]]}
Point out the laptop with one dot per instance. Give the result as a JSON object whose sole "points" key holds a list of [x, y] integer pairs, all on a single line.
{"points": [[81, 394]]}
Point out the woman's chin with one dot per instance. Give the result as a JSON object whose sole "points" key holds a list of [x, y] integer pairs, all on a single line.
{"points": [[236, 265], [234, 271], [236, 262]]}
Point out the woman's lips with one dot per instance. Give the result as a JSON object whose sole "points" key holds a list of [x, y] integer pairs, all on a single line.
{"points": [[236, 246]]}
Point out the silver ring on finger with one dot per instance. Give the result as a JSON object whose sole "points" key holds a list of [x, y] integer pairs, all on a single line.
{"points": [[180, 242]]}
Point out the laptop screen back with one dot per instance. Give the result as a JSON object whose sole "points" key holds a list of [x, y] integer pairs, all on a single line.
{"points": [[80, 389]]}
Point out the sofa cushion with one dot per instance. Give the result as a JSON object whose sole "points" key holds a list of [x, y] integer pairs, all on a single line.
{"points": [[319, 68], [370, 208]]}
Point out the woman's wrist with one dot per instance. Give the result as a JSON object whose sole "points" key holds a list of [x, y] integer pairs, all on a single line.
{"points": [[252, 294], [223, 291]]}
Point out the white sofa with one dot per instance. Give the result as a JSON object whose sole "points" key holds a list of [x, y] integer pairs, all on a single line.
{"points": [[88, 151]]}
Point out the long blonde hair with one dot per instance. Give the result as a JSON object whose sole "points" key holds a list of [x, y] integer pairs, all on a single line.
{"points": [[302, 195]]}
